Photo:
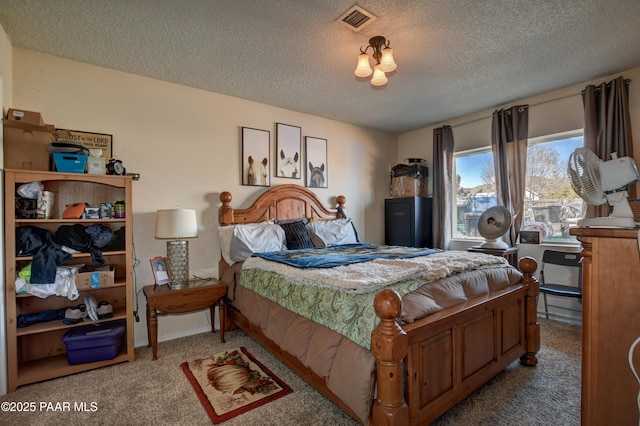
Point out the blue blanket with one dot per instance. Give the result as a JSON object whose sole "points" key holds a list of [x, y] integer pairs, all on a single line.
{"points": [[346, 254]]}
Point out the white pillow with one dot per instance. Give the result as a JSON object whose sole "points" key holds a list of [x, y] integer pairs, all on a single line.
{"points": [[256, 238], [225, 234], [325, 233]]}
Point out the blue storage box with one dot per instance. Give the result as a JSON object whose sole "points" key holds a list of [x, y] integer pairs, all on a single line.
{"points": [[94, 342], [69, 162]]}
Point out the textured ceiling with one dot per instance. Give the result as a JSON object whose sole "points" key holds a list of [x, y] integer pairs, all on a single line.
{"points": [[455, 57]]}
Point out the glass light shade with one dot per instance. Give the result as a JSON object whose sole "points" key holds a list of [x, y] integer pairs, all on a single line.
{"points": [[379, 78], [363, 69], [176, 223], [387, 64]]}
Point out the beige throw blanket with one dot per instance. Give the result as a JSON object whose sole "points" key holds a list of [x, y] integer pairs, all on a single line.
{"points": [[370, 276]]}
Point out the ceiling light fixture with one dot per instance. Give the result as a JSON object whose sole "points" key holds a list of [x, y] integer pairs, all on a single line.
{"points": [[383, 56]]}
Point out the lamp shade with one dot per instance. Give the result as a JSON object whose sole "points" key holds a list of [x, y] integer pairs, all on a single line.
{"points": [[387, 64], [379, 78], [363, 68], [176, 223]]}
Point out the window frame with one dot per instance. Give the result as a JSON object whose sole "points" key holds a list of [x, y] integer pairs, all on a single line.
{"points": [[487, 149]]}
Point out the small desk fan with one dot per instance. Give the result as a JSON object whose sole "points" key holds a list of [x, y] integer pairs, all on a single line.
{"points": [[598, 182], [493, 224]]}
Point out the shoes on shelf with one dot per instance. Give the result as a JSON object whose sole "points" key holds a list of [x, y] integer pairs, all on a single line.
{"points": [[74, 315], [105, 310]]}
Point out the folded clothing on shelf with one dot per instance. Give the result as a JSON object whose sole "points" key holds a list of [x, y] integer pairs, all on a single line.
{"points": [[25, 320]]}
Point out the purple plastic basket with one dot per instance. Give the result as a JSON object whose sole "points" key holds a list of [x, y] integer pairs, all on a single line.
{"points": [[94, 342]]}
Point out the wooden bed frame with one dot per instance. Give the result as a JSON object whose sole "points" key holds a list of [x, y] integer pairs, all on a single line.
{"points": [[426, 367]]}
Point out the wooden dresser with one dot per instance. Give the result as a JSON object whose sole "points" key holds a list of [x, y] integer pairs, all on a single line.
{"points": [[611, 324]]}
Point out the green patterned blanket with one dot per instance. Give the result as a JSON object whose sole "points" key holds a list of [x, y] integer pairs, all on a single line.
{"points": [[320, 295]]}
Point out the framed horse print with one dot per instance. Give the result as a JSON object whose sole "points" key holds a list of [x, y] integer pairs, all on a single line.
{"points": [[255, 157], [288, 155], [316, 167]]}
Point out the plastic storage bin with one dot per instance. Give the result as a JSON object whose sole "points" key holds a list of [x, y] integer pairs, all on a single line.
{"points": [[94, 342], [69, 162]]}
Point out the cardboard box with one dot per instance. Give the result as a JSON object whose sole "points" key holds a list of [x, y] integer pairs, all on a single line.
{"points": [[408, 186], [409, 180], [26, 138], [95, 342], [102, 277], [25, 117]]}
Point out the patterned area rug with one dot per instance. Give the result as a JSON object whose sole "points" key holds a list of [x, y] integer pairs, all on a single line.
{"points": [[232, 383]]}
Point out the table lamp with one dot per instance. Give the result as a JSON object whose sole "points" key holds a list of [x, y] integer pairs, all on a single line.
{"points": [[176, 225]]}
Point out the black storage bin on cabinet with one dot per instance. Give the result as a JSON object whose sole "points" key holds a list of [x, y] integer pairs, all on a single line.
{"points": [[408, 221]]}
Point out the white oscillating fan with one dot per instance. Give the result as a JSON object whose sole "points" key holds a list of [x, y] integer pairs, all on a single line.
{"points": [[494, 222], [598, 182]]}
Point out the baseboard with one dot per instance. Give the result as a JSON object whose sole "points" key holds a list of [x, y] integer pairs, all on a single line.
{"points": [[567, 318], [167, 337]]}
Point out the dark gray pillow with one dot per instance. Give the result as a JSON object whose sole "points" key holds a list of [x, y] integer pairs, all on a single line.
{"points": [[297, 235]]}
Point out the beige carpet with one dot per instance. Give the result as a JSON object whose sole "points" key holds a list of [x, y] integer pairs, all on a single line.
{"points": [[150, 392]]}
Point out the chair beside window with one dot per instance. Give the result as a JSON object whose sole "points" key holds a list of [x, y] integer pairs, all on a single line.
{"points": [[553, 281]]}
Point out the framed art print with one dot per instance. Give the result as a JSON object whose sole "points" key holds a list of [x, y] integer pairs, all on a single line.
{"points": [[288, 155], [255, 157], [89, 140], [161, 271], [316, 167]]}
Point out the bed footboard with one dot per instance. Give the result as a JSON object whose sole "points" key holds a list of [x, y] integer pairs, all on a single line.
{"points": [[426, 367]]}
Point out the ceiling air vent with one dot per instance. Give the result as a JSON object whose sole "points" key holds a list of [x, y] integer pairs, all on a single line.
{"points": [[356, 18]]}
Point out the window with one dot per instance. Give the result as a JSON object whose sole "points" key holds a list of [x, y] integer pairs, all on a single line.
{"points": [[551, 205], [475, 190]]}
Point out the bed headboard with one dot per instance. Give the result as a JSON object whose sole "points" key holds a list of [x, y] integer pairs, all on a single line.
{"points": [[280, 202]]}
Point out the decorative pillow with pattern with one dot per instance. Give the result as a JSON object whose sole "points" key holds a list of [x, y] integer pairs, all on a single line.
{"points": [[297, 235]]}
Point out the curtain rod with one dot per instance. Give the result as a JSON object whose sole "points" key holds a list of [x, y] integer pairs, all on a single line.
{"points": [[627, 81], [530, 105], [608, 85]]}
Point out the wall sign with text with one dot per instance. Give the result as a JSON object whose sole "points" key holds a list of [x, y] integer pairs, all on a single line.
{"points": [[87, 139]]}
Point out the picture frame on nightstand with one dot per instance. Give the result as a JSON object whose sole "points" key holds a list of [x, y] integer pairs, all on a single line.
{"points": [[530, 237], [161, 271]]}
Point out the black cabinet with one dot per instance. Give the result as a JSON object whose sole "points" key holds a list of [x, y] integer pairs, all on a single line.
{"points": [[408, 221]]}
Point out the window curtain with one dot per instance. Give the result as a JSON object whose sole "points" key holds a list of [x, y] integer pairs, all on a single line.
{"points": [[509, 132], [607, 127], [442, 186]]}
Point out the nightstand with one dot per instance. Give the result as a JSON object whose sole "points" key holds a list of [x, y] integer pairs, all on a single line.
{"points": [[511, 253], [195, 296]]}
